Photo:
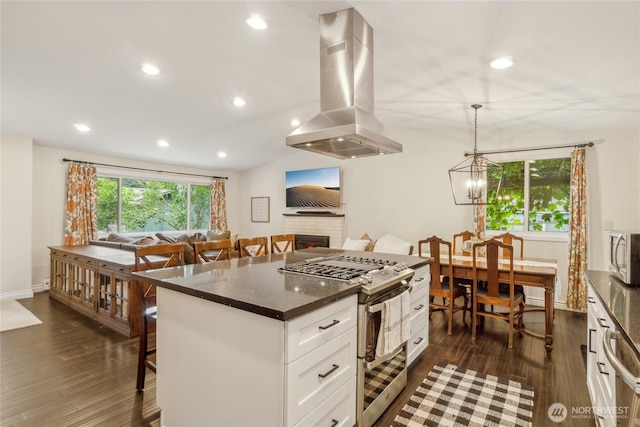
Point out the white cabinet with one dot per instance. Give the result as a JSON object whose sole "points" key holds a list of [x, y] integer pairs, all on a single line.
{"points": [[238, 368], [320, 370], [419, 314], [601, 377]]}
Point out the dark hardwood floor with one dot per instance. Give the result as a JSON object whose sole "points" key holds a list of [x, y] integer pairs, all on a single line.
{"points": [[71, 371]]}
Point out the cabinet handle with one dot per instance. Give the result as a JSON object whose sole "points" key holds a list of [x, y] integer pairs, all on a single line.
{"points": [[590, 340], [326, 374], [602, 322], [334, 422], [334, 323], [418, 308], [419, 341], [603, 372], [591, 300]]}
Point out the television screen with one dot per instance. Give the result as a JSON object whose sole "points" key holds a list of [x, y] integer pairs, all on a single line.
{"points": [[313, 188]]}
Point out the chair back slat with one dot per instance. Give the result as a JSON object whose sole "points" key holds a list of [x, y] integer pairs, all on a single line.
{"points": [[463, 237], [260, 242], [509, 239], [222, 248], [283, 243]]}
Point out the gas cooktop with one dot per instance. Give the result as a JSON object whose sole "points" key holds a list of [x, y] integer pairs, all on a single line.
{"points": [[375, 274]]}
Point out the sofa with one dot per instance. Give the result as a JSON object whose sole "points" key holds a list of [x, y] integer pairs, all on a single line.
{"points": [[130, 242]]}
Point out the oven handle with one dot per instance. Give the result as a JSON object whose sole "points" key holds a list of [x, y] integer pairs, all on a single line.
{"points": [[627, 377], [380, 306]]}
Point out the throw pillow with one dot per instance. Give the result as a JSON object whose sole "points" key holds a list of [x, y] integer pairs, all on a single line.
{"points": [[355, 245], [392, 245], [372, 243], [215, 235]]}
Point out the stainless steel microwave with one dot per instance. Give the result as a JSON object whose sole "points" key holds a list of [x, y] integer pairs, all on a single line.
{"points": [[624, 256]]}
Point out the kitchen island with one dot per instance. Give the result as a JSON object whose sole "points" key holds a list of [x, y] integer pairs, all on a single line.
{"points": [[242, 344]]}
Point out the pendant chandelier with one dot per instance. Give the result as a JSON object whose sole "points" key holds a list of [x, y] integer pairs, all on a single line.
{"points": [[476, 180]]}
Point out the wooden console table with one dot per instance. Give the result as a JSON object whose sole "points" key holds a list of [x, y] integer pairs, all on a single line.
{"points": [[95, 281]]}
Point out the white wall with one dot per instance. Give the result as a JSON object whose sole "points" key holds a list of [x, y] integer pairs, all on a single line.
{"points": [[15, 217], [409, 194], [49, 195]]}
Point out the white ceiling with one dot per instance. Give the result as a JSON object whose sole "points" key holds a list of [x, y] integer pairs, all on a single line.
{"points": [[578, 68]]}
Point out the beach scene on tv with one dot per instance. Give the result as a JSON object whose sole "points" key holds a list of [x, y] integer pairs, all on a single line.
{"points": [[313, 188]]}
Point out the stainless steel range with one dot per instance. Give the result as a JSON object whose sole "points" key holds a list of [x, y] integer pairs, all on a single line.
{"points": [[379, 378]]}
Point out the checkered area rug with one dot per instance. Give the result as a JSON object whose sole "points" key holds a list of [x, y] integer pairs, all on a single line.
{"points": [[452, 397]]}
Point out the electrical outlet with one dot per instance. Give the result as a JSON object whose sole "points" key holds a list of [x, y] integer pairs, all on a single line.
{"points": [[46, 284]]}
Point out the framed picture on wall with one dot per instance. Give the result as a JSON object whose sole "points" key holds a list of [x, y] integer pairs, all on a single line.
{"points": [[260, 209]]}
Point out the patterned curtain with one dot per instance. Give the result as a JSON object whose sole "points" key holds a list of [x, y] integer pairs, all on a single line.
{"points": [[479, 213], [81, 222], [577, 288], [218, 206]]}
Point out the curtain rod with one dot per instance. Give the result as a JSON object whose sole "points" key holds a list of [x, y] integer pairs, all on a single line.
{"points": [[143, 169], [580, 145]]}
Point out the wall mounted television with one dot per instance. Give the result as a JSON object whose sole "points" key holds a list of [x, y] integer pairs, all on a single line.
{"points": [[313, 188]]}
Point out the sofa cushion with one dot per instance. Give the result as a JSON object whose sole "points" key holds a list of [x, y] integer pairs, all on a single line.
{"points": [[355, 245], [392, 245], [187, 240]]}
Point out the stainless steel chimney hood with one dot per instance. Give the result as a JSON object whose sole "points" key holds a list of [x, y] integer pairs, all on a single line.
{"points": [[346, 127]]}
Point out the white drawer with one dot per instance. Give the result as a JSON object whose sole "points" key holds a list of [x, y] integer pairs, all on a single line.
{"points": [[311, 330], [419, 283], [419, 302], [419, 339], [311, 379], [338, 410]]}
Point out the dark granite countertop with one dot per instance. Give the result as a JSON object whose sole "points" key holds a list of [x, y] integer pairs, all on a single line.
{"points": [[622, 303], [256, 285]]}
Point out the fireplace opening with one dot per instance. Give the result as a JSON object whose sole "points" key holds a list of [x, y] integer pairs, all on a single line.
{"points": [[305, 241]]}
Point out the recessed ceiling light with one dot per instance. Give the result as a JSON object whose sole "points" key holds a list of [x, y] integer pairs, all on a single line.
{"points": [[222, 154], [162, 143], [238, 102], [295, 122], [502, 63], [256, 22], [308, 144], [81, 127], [150, 69]]}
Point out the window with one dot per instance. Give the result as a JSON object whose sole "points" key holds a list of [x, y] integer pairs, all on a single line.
{"points": [[534, 196], [128, 205]]}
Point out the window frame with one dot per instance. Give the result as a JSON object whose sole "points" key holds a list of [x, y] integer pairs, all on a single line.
{"points": [[555, 153], [132, 174]]}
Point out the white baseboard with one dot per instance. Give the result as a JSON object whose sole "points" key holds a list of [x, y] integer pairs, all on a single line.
{"points": [[17, 294], [539, 302]]}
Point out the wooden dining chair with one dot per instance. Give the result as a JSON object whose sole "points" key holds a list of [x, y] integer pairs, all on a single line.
{"points": [[212, 250], [449, 290], [259, 243], [508, 239], [491, 294], [462, 237], [283, 243], [147, 258]]}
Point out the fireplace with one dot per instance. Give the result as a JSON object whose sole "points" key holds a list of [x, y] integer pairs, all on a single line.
{"points": [[304, 241]]}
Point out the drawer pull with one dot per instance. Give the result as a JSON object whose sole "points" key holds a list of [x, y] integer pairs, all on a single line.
{"points": [[329, 372], [420, 307], [603, 372], [334, 422], [591, 300], [590, 341], [419, 341], [602, 322], [334, 323]]}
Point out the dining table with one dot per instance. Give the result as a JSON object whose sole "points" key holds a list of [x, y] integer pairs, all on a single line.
{"points": [[528, 271]]}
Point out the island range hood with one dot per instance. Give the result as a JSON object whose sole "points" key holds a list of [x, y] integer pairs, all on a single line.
{"points": [[346, 127]]}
